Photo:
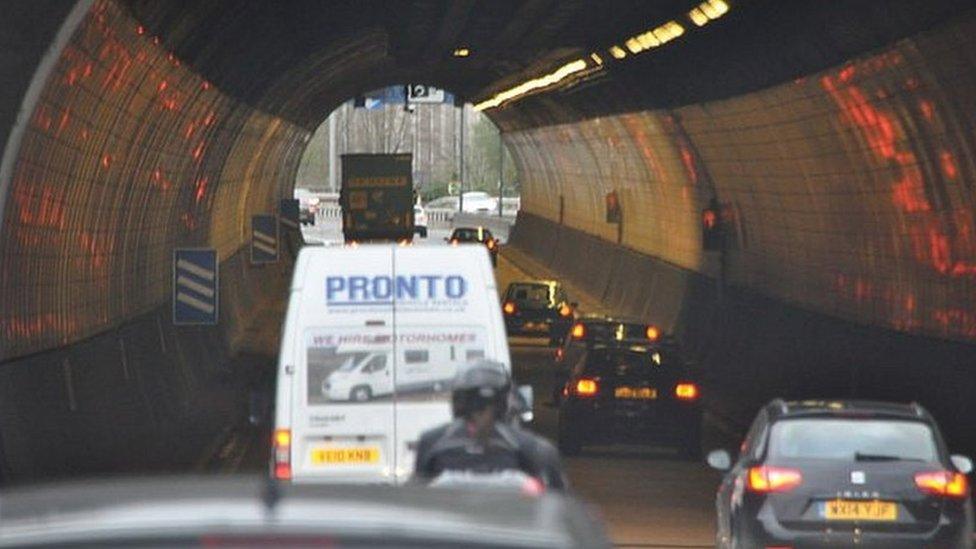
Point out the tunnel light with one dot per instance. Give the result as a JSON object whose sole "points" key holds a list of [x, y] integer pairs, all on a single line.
{"points": [[529, 86], [708, 11], [461, 52], [633, 45], [596, 58], [617, 52]]}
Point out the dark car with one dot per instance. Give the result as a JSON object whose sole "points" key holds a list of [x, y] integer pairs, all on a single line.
{"points": [[843, 474], [633, 394], [538, 308], [590, 330], [480, 235], [239, 511]]}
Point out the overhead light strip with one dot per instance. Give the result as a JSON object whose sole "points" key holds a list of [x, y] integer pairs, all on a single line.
{"points": [[529, 86], [701, 15]]}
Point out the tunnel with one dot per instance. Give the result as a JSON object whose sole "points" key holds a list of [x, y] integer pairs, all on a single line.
{"points": [[835, 143]]}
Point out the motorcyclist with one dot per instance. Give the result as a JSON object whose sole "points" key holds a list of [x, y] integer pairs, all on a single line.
{"points": [[483, 437]]}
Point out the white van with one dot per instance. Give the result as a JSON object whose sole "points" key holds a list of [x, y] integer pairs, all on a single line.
{"points": [[372, 339]]}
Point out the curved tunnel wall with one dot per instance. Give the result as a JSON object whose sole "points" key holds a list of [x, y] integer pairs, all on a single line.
{"points": [[849, 192], [128, 154]]}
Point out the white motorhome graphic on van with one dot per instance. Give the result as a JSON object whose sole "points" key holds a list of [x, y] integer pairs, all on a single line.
{"points": [[360, 368]]}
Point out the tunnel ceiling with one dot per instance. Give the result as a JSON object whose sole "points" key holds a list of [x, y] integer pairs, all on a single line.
{"points": [[298, 59]]}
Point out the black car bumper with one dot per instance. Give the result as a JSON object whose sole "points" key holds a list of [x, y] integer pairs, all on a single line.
{"points": [[955, 531], [538, 326]]}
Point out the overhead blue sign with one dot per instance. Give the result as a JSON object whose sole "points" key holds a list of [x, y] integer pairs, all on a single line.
{"points": [[264, 239], [288, 212], [195, 286]]}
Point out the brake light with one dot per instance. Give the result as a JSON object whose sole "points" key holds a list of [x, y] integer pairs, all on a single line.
{"points": [[766, 479], [509, 308], [559, 353], [282, 454], [686, 391], [586, 387], [653, 333], [578, 331], [943, 483], [565, 310]]}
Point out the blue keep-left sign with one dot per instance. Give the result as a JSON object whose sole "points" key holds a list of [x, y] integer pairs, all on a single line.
{"points": [[196, 293], [288, 212], [264, 239]]}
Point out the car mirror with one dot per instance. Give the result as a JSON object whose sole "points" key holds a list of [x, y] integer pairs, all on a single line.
{"points": [[528, 398], [719, 459], [962, 463]]}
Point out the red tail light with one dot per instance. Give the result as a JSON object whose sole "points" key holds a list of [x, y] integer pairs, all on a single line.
{"points": [[559, 353], [653, 333], [686, 391], [578, 331], [565, 310], [587, 387], [509, 308], [766, 479], [943, 483], [282, 454]]}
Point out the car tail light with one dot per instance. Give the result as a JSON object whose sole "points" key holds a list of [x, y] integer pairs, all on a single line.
{"points": [[943, 483], [578, 331], [454, 242], [282, 454], [653, 333], [559, 353], [587, 387], [766, 479], [686, 391], [509, 308], [490, 244], [565, 310]]}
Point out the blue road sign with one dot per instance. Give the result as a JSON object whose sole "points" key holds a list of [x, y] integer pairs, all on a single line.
{"points": [[288, 212], [264, 239], [196, 293]]}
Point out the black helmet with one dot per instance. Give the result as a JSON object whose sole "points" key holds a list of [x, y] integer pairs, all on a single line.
{"points": [[480, 384]]}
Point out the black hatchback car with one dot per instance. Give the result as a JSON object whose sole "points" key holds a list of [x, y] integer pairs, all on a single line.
{"points": [[843, 474], [478, 235], [631, 394], [538, 308], [592, 329]]}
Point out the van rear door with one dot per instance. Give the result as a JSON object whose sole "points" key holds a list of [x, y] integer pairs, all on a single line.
{"points": [[447, 314], [343, 418]]}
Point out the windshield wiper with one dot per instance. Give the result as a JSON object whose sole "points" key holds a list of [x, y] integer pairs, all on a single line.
{"points": [[858, 456]]}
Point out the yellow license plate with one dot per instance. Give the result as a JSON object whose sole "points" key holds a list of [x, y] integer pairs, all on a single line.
{"points": [[345, 455], [842, 509], [641, 393]]}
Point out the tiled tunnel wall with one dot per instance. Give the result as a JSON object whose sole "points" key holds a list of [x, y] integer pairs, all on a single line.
{"points": [[849, 192], [128, 154]]}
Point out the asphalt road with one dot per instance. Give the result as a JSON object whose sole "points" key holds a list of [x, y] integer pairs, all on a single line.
{"points": [[648, 497]]}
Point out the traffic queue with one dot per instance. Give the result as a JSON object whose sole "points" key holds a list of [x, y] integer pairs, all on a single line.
{"points": [[395, 369]]}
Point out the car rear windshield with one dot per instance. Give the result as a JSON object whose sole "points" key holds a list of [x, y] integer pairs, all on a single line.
{"points": [[628, 362], [610, 331], [471, 235], [538, 294], [852, 439]]}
